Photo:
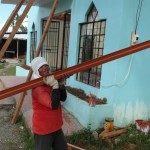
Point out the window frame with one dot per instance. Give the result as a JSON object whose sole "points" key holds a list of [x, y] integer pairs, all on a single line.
{"points": [[33, 43], [92, 76]]}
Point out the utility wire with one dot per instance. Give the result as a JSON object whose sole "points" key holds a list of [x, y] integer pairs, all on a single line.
{"points": [[138, 13]]}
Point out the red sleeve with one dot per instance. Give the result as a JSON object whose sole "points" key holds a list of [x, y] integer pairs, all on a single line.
{"points": [[43, 96]]}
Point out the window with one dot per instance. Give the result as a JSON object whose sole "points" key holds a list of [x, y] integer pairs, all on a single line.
{"points": [[33, 42], [91, 46]]}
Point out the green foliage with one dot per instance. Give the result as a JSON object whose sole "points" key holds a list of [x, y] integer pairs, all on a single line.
{"points": [[85, 139], [22, 28], [27, 136], [132, 140]]}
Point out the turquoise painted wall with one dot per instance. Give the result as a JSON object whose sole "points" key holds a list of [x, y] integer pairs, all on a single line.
{"points": [[125, 81], [93, 117], [131, 100]]}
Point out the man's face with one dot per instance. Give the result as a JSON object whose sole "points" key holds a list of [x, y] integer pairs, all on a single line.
{"points": [[44, 70]]}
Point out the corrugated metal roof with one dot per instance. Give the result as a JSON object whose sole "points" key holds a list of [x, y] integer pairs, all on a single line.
{"points": [[36, 3], [17, 36]]}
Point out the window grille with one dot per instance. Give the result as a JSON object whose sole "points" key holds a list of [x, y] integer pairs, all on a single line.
{"points": [[33, 42], [92, 34]]}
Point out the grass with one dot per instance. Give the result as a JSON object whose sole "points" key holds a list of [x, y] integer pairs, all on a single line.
{"points": [[2, 66], [132, 140], [7, 71], [84, 139], [27, 136], [11, 71]]}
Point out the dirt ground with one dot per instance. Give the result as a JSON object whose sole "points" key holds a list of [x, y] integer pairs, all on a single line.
{"points": [[10, 134]]}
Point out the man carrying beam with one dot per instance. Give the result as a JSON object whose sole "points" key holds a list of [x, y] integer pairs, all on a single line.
{"points": [[47, 112]]}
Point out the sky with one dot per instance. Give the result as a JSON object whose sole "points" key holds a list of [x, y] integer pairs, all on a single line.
{"points": [[5, 11]]}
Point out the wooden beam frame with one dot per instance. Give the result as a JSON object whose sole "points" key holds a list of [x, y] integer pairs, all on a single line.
{"points": [[10, 19], [15, 29]]}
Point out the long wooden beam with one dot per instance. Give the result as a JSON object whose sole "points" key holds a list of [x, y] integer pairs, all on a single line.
{"points": [[38, 50], [10, 19], [74, 69], [72, 147], [15, 29]]}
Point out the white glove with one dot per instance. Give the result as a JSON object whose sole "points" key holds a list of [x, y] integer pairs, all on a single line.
{"points": [[51, 81]]}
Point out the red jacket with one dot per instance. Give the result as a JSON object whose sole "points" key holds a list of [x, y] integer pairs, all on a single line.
{"points": [[45, 120]]}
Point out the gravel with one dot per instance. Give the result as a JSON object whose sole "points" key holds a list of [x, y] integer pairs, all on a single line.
{"points": [[10, 134]]}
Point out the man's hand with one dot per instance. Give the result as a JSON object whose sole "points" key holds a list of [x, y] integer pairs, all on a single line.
{"points": [[51, 81], [62, 80]]}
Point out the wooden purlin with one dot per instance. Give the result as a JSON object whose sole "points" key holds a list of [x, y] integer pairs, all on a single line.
{"points": [[74, 69], [15, 29], [38, 50], [72, 147], [10, 19]]}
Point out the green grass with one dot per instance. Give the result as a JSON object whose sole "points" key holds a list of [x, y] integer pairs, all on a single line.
{"points": [[2, 66], [10, 71], [7, 70], [84, 139], [27, 136], [132, 140]]}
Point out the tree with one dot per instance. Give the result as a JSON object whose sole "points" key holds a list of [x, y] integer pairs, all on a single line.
{"points": [[22, 27]]}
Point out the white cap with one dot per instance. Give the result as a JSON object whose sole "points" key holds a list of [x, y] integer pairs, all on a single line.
{"points": [[36, 63]]}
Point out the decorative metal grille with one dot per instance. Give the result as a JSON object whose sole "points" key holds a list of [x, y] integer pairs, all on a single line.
{"points": [[51, 44], [33, 43], [91, 46], [65, 45], [55, 47]]}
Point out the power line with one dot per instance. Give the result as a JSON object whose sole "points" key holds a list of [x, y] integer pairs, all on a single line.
{"points": [[138, 13]]}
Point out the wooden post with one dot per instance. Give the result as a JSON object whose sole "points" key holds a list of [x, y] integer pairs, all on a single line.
{"points": [[10, 19], [70, 146], [19, 105], [15, 29]]}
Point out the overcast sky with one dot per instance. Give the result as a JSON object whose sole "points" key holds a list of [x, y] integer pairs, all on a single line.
{"points": [[5, 11]]}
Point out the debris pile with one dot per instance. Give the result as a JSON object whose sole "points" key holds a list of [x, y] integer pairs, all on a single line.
{"points": [[143, 125]]}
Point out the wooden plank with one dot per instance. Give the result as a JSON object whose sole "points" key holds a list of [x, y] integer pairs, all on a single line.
{"points": [[70, 146], [19, 104], [10, 19], [15, 29], [74, 69], [107, 134]]}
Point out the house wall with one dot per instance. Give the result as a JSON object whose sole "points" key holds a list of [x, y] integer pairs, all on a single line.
{"points": [[131, 100], [125, 81]]}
